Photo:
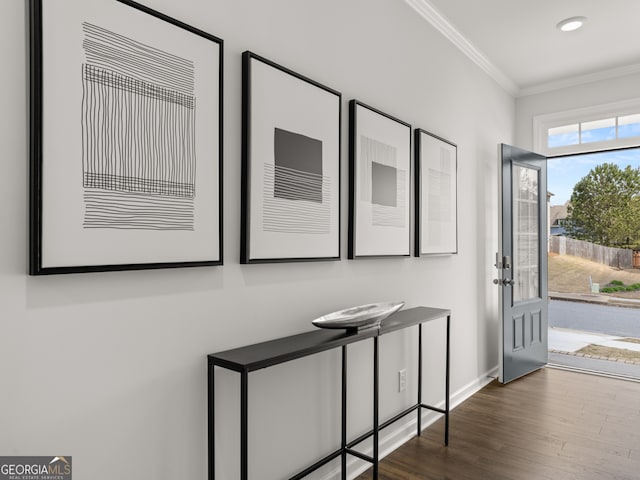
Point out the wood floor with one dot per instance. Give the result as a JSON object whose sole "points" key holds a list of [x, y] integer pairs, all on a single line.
{"points": [[551, 424]]}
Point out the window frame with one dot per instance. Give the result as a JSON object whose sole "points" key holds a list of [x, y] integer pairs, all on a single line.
{"points": [[542, 124]]}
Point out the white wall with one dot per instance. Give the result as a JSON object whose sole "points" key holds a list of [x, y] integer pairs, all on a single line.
{"points": [[110, 368], [570, 98]]}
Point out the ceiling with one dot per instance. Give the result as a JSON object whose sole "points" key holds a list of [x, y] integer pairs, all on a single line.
{"points": [[520, 45]]}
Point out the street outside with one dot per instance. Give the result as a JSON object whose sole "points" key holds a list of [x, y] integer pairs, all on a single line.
{"points": [[589, 329], [591, 317]]}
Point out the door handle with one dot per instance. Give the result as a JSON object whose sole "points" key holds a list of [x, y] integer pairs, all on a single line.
{"points": [[505, 282]]}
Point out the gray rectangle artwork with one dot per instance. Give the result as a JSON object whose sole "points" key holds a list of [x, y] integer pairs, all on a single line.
{"points": [[382, 183], [297, 196], [138, 135], [298, 162]]}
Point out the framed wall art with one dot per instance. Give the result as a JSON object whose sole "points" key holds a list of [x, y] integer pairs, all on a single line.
{"points": [[436, 195], [126, 139], [290, 165], [380, 185]]}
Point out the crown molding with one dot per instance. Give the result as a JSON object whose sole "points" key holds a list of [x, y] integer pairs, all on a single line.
{"points": [[580, 80], [442, 24]]}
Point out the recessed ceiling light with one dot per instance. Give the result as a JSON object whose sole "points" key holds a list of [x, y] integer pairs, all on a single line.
{"points": [[571, 24]]}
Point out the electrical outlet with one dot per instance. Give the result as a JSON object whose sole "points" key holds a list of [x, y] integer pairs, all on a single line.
{"points": [[402, 380]]}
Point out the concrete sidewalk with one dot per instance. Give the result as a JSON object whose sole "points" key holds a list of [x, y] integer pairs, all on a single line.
{"points": [[570, 341], [595, 298]]}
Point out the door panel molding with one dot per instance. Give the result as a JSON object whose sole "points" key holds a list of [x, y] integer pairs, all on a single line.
{"points": [[536, 327], [518, 333]]}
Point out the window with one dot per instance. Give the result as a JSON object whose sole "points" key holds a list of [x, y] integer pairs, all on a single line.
{"points": [[629, 126], [562, 136], [598, 131], [589, 129], [594, 131]]}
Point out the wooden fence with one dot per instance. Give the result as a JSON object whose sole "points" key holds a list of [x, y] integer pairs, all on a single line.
{"points": [[614, 257]]}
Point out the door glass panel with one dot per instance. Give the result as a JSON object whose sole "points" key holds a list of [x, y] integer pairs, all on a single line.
{"points": [[526, 233]]}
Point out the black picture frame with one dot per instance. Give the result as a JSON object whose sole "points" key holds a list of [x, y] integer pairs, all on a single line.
{"points": [[436, 195], [379, 183], [118, 189], [291, 162]]}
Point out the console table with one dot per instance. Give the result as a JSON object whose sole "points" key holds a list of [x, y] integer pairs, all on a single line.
{"points": [[262, 355]]}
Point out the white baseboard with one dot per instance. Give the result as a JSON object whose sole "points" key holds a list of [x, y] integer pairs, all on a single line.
{"points": [[404, 430]]}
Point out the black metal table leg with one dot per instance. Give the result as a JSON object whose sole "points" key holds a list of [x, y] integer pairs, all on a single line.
{"points": [[376, 405], [212, 428], [419, 379], [344, 414], [446, 390], [244, 426]]}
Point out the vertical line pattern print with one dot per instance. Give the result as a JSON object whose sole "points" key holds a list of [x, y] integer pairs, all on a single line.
{"points": [[129, 58], [439, 188], [440, 209], [138, 133]]}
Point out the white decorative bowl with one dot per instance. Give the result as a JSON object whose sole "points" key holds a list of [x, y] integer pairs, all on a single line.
{"points": [[358, 318]]}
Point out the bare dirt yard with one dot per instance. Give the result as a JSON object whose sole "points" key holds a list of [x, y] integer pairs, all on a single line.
{"points": [[570, 274]]}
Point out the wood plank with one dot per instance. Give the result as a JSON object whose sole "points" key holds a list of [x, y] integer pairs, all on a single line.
{"points": [[549, 425]]}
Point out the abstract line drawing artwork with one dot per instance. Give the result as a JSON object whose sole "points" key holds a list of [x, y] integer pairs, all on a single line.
{"points": [[290, 165], [439, 193], [436, 195], [138, 134], [297, 197], [379, 184], [126, 139], [382, 183]]}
